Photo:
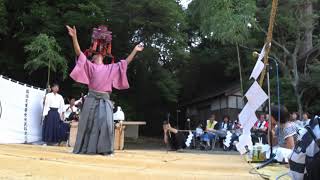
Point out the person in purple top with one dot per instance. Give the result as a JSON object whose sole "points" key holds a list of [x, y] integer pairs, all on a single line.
{"points": [[96, 130]]}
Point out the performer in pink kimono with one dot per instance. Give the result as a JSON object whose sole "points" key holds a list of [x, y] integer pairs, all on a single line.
{"points": [[96, 129]]}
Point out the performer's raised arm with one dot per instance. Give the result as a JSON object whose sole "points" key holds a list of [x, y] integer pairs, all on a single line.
{"points": [[73, 33], [136, 49]]}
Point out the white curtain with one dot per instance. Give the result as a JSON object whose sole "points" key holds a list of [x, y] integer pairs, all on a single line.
{"points": [[20, 112]]}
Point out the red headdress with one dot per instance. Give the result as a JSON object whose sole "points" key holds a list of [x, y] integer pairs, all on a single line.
{"points": [[100, 42]]}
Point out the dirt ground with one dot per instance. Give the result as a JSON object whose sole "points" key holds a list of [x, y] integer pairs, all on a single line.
{"points": [[44, 162]]}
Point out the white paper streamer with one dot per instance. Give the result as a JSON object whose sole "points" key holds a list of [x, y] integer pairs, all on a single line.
{"points": [[256, 96], [258, 66]]}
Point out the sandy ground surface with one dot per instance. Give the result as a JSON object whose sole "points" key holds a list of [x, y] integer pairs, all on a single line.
{"points": [[45, 162]]}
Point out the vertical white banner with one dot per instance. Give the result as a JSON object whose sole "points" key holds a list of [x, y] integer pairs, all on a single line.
{"points": [[20, 112], [256, 97], [34, 118]]}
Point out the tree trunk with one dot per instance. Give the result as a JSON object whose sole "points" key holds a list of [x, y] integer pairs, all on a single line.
{"points": [[48, 78], [240, 71], [295, 81], [306, 11], [299, 100], [304, 45]]}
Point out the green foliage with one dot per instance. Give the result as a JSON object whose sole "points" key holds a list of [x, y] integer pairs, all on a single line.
{"points": [[159, 24], [224, 20], [3, 19], [293, 22], [153, 75], [188, 53], [310, 84], [286, 93], [168, 86], [315, 74], [44, 52]]}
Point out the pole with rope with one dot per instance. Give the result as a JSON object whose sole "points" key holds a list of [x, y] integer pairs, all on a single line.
{"points": [[269, 37], [46, 92], [266, 63]]}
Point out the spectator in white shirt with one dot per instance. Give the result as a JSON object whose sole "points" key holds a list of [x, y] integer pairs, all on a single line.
{"points": [[70, 109], [54, 130], [304, 121]]}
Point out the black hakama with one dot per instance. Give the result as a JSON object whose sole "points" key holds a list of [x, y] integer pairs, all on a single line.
{"points": [[54, 129]]}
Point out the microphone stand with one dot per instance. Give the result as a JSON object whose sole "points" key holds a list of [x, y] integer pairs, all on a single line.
{"points": [[278, 98]]}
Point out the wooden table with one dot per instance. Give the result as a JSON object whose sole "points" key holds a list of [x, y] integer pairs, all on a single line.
{"points": [[122, 129], [132, 128], [128, 129]]}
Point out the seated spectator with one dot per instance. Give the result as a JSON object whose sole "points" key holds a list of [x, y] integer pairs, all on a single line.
{"points": [[223, 126], [294, 117], [79, 103], [175, 139], [71, 110], [209, 135], [260, 130], [286, 135], [201, 138], [261, 124], [304, 121], [199, 131], [211, 122], [305, 159], [237, 128], [236, 132]]}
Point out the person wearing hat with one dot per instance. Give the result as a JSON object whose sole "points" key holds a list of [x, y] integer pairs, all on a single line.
{"points": [[96, 129]]}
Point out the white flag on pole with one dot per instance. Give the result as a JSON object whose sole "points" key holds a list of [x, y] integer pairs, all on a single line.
{"points": [[250, 123], [244, 141], [262, 53], [245, 114], [259, 65], [245, 138], [256, 96], [257, 70]]}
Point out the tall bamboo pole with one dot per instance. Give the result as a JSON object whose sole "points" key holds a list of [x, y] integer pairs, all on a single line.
{"points": [[240, 69], [269, 37], [49, 69]]}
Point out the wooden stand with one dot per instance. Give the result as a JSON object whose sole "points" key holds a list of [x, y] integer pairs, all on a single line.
{"points": [[119, 136], [73, 133]]}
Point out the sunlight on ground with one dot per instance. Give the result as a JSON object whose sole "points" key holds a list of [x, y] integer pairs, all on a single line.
{"points": [[43, 162]]}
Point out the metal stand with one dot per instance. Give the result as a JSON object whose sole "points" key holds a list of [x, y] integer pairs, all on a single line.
{"points": [[278, 98], [271, 159], [269, 109]]}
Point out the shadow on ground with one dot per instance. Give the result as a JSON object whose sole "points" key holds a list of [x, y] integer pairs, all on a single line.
{"points": [[147, 143]]}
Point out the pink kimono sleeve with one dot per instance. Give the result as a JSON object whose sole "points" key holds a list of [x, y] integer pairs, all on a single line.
{"points": [[119, 72], [81, 72]]}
